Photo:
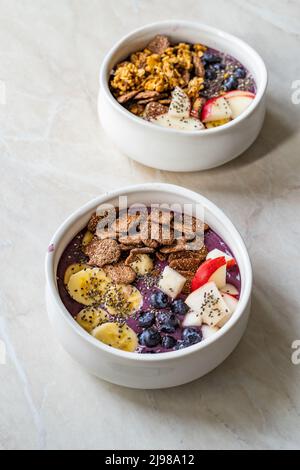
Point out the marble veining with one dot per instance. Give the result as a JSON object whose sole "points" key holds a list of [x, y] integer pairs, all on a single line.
{"points": [[55, 157]]}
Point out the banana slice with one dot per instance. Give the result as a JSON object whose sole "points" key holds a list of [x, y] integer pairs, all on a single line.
{"points": [[221, 122], [142, 264], [117, 335], [90, 317], [122, 299], [87, 238], [88, 286], [73, 269], [133, 296]]}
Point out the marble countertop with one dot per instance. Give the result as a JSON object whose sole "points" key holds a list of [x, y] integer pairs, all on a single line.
{"points": [[55, 157]]}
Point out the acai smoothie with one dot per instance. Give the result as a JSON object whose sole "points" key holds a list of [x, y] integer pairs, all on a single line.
{"points": [[182, 86]]}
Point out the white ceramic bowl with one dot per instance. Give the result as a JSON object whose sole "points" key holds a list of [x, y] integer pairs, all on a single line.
{"points": [[148, 370], [169, 149]]}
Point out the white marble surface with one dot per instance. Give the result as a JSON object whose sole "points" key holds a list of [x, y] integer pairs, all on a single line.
{"points": [[54, 157]]}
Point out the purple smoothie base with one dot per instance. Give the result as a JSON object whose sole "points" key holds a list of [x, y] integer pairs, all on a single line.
{"points": [[73, 254], [214, 87]]}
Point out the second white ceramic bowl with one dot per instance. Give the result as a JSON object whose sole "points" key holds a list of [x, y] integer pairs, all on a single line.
{"points": [[169, 149], [148, 370]]}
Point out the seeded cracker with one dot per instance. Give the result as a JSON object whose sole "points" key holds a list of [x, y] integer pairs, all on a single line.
{"points": [[144, 95], [131, 240], [120, 273], [103, 252], [92, 225], [199, 67], [195, 254]]}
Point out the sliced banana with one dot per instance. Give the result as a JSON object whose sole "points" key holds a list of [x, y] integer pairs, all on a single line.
{"points": [[73, 269], [142, 264], [88, 286], [122, 299], [221, 122], [87, 238], [90, 317], [117, 335]]}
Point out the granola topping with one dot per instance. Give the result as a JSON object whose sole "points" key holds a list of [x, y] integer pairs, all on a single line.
{"points": [[200, 75]]}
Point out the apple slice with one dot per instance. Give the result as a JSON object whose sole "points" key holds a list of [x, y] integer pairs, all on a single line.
{"points": [[211, 270], [216, 253], [238, 101], [231, 303], [216, 109], [219, 277], [231, 94], [208, 331], [171, 282], [180, 104], [196, 108], [230, 289], [192, 319], [182, 124], [208, 302]]}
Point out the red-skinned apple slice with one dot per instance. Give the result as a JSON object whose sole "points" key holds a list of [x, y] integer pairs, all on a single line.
{"points": [[231, 94], [192, 319], [180, 104], [216, 109], [230, 289], [216, 253], [211, 270], [238, 101], [208, 331]]}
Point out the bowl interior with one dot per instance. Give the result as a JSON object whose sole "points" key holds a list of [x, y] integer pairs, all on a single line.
{"points": [[170, 195], [188, 32]]}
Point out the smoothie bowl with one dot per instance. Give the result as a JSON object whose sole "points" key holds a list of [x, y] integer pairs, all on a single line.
{"points": [[182, 95], [148, 286]]}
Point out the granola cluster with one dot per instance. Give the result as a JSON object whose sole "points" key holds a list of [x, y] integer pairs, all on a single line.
{"points": [[161, 234], [151, 74]]}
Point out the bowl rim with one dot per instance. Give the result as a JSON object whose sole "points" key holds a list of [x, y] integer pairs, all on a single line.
{"points": [[164, 188], [192, 24]]}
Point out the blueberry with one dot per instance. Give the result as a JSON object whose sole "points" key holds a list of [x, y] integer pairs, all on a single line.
{"points": [[149, 337], [230, 83], [191, 336], [159, 300], [168, 322], [168, 342], [146, 319], [219, 66], [240, 72], [179, 307], [210, 58], [210, 74]]}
